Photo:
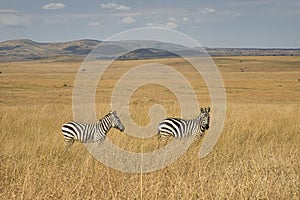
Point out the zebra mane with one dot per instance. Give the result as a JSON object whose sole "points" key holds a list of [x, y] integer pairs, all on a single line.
{"points": [[107, 116]]}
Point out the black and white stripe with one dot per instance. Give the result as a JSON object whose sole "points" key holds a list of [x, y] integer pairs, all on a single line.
{"points": [[180, 128], [95, 132]]}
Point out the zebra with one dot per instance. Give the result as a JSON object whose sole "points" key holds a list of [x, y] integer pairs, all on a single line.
{"points": [[95, 132], [180, 128]]}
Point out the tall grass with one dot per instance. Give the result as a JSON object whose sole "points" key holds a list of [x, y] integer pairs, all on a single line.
{"points": [[256, 157]]}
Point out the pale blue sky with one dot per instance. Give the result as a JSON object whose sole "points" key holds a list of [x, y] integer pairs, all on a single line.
{"points": [[228, 23]]}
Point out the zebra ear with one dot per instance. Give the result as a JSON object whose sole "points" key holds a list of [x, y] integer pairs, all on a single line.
{"points": [[201, 109], [208, 109]]}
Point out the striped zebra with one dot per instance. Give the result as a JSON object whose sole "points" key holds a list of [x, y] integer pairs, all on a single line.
{"points": [[95, 132], [179, 128]]}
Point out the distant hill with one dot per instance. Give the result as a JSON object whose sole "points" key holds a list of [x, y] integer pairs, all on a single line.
{"points": [[25, 50]]}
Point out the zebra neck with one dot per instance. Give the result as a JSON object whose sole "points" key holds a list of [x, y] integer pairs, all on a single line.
{"points": [[200, 126], [192, 125], [105, 124]]}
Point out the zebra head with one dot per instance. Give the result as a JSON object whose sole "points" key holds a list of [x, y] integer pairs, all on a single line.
{"points": [[204, 118], [116, 122]]}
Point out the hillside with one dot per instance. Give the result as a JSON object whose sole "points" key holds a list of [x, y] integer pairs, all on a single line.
{"points": [[22, 50], [26, 50]]}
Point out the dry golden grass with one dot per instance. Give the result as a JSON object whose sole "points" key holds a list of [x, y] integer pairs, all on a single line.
{"points": [[257, 156]]}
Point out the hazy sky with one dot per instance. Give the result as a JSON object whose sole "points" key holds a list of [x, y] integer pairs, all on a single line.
{"points": [[222, 23]]}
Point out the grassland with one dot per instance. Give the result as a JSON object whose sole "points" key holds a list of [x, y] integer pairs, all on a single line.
{"points": [[257, 156]]}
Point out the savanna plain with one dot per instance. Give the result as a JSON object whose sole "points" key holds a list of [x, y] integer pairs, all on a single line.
{"points": [[256, 157]]}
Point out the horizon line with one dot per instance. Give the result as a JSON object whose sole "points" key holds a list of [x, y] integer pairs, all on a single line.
{"points": [[98, 40]]}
